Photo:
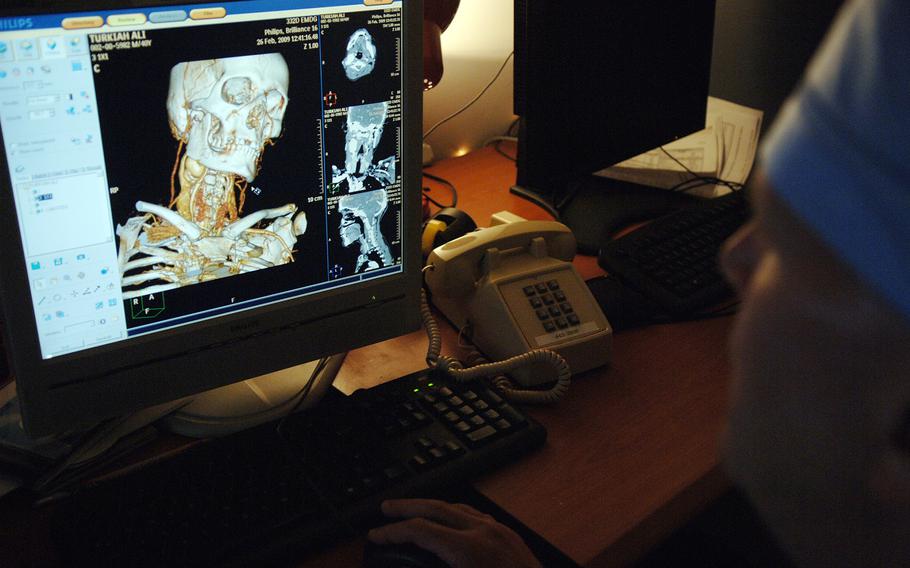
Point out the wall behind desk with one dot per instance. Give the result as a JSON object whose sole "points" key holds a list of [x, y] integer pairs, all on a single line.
{"points": [[761, 48], [473, 48]]}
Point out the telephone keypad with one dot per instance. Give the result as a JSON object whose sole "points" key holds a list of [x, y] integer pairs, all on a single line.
{"points": [[559, 313]]}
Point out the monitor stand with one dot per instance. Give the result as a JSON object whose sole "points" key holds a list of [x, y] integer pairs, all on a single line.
{"points": [[595, 208], [248, 403]]}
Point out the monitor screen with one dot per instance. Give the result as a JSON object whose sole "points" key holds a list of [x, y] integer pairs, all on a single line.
{"points": [[196, 194], [599, 83]]}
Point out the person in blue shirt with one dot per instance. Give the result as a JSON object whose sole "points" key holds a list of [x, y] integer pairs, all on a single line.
{"points": [[818, 436]]}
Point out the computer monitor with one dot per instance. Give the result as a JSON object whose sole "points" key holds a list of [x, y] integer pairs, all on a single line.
{"points": [[195, 194], [597, 83]]}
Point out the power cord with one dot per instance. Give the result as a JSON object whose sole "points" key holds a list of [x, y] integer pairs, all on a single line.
{"points": [[479, 367], [497, 141], [445, 182], [472, 101], [697, 179]]}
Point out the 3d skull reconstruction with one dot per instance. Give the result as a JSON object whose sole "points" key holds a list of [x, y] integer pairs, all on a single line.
{"points": [[360, 57], [363, 132], [224, 112], [361, 214]]}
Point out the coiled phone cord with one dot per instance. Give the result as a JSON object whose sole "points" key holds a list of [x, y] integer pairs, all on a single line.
{"points": [[480, 367]]}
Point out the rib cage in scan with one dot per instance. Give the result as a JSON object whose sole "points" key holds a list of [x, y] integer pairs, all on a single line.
{"points": [[224, 112]]}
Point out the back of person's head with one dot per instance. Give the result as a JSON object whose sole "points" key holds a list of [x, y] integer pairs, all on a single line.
{"points": [[819, 433]]}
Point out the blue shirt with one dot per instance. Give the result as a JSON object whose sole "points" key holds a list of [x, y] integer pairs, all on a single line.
{"points": [[839, 152]]}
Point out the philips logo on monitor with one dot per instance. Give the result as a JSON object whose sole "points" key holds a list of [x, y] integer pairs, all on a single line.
{"points": [[7, 24]]}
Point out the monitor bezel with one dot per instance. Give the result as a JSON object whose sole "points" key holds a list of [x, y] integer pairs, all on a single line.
{"points": [[78, 389]]}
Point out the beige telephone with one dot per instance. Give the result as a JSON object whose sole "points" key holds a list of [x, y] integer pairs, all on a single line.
{"points": [[512, 288]]}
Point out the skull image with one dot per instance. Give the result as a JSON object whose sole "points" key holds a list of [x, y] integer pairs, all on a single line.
{"points": [[361, 55], [227, 109]]}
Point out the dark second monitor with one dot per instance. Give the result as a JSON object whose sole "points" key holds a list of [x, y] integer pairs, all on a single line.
{"points": [[597, 83], [194, 195]]}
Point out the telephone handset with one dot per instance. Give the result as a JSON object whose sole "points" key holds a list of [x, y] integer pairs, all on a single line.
{"points": [[512, 288]]}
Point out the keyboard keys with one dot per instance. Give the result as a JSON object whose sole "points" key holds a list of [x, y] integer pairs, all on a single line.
{"points": [[481, 434], [513, 415], [673, 260], [466, 410], [339, 449]]}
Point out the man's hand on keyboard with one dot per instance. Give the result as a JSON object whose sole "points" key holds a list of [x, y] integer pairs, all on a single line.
{"points": [[460, 535]]}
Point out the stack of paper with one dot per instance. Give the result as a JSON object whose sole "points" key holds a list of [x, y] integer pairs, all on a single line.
{"points": [[725, 149]]}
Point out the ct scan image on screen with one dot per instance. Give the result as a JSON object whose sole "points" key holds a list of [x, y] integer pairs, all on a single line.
{"points": [[185, 164], [239, 177]]}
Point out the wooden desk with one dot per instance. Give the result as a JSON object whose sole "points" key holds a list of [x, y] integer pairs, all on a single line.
{"points": [[632, 450]]}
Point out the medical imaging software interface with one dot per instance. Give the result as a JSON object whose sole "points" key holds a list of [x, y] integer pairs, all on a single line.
{"points": [[174, 164]]}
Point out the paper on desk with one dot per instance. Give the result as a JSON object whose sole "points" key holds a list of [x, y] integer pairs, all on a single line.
{"points": [[725, 149]]}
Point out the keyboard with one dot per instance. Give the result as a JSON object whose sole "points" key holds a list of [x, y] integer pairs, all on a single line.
{"points": [[264, 496], [673, 261]]}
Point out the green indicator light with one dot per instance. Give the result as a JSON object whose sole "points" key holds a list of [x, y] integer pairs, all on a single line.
{"points": [[430, 385], [416, 390]]}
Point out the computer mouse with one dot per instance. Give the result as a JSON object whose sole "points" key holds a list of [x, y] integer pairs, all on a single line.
{"points": [[399, 556]]}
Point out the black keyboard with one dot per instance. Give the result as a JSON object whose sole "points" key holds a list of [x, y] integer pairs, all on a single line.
{"points": [[261, 496], [673, 260]]}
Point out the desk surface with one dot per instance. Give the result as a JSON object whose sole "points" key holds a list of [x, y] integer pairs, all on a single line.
{"points": [[632, 450]]}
